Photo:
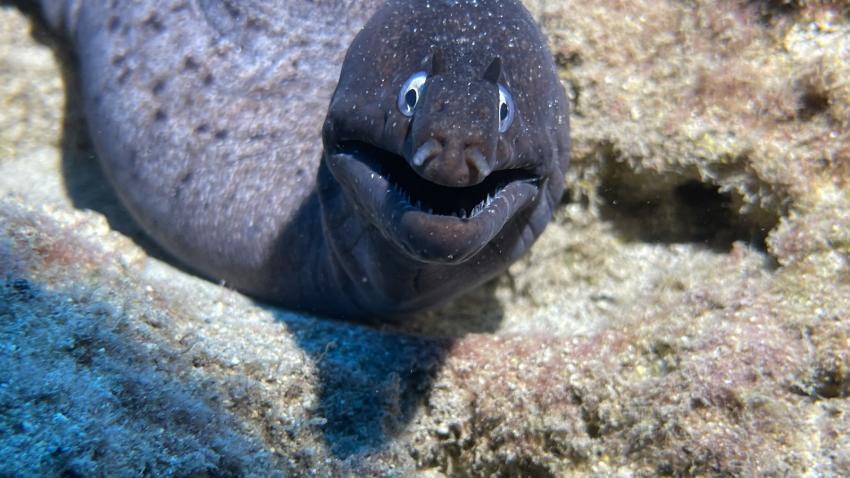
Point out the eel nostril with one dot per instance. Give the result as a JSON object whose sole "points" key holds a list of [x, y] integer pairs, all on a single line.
{"points": [[428, 150], [476, 162]]}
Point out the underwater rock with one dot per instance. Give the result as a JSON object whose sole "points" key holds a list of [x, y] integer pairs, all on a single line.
{"points": [[687, 312]]}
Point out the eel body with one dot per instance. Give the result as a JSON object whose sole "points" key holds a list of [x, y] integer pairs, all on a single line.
{"points": [[373, 183]]}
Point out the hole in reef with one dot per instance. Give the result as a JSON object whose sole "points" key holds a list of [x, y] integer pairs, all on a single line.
{"points": [[769, 10], [673, 208], [812, 103]]}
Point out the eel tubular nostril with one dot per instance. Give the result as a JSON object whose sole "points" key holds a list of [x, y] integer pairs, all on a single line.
{"points": [[477, 163], [430, 149]]}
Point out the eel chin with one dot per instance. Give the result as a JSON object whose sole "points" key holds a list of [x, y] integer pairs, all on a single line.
{"points": [[430, 222]]}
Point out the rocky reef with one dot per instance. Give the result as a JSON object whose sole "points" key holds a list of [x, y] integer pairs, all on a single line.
{"points": [[687, 314]]}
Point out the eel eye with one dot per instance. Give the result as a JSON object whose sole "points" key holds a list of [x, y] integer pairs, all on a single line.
{"points": [[506, 109], [410, 92]]}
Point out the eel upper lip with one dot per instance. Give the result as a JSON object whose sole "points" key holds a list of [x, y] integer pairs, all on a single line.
{"points": [[432, 223]]}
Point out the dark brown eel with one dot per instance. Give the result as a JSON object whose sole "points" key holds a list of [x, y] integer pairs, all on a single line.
{"points": [[442, 153]]}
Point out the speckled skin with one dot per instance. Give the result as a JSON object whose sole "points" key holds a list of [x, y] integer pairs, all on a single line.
{"points": [[207, 117]]}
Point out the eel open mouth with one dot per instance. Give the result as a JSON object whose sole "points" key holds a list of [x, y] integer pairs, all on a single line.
{"points": [[432, 222], [461, 202]]}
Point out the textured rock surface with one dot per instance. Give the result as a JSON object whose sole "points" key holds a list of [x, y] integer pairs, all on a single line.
{"points": [[688, 314]]}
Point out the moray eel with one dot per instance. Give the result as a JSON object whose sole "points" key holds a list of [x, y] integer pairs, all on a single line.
{"points": [[437, 163]]}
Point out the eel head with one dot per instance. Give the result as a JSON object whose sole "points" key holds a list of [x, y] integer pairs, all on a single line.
{"points": [[448, 131]]}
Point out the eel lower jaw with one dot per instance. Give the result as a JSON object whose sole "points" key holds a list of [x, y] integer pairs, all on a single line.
{"points": [[420, 217]]}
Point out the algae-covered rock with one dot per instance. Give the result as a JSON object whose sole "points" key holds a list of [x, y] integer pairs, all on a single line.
{"points": [[687, 313]]}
